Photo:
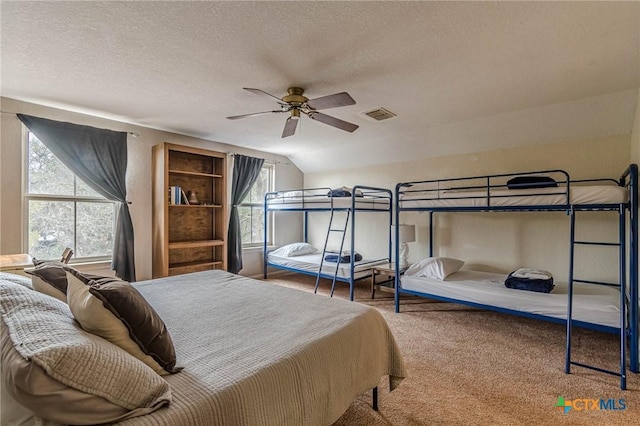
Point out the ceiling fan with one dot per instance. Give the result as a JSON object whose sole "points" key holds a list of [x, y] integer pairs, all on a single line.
{"points": [[295, 103]]}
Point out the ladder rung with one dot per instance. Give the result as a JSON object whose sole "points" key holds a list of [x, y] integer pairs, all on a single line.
{"points": [[337, 230], [596, 282], [596, 243]]}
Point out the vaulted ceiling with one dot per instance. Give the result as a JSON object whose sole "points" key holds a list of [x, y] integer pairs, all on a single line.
{"points": [[461, 76]]}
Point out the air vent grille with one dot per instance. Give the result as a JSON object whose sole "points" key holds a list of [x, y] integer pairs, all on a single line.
{"points": [[380, 114]]}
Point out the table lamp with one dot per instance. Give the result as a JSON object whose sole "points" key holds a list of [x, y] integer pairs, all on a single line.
{"points": [[407, 234]]}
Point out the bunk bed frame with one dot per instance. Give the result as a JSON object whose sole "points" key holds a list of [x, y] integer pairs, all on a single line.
{"points": [[311, 200], [491, 193]]}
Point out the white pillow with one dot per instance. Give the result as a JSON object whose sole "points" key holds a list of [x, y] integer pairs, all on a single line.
{"points": [[295, 249], [437, 268]]}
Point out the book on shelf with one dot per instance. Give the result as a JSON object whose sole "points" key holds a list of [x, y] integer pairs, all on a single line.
{"points": [[185, 200], [175, 195]]}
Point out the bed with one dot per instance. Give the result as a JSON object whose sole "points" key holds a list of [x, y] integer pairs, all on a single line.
{"points": [[341, 202], [605, 306], [255, 353]]}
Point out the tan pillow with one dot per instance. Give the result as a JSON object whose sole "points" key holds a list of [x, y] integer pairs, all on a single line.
{"points": [[115, 310], [49, 278], [64, 374]]}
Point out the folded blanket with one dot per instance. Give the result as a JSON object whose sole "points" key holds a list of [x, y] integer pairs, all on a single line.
{"points": [[343, 192], [345, 258], [534, 274], [537, 280]]}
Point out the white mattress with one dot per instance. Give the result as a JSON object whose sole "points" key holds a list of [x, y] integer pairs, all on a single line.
{"points": [[595, 304], [317, 202], [311, 263], [579, 195]]}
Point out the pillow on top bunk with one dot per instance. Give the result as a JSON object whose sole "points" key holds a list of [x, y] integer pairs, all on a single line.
{"points": [[437, 268], [295, 249], [524, 182]]}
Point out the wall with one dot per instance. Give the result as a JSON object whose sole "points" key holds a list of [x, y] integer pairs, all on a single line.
{"points": [[139, 180], [499, 242]]}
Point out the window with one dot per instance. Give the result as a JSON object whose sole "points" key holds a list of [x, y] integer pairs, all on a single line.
{"points": [[251, 210], [62, 211]]}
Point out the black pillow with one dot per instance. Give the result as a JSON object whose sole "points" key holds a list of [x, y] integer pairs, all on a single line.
{"points": [[523, 182]]}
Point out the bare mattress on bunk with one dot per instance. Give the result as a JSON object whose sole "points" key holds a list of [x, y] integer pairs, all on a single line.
{"points": [[311, 263], [578, 195], [592, 304]]}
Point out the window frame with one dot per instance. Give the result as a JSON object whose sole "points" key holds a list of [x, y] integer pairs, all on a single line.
{"points": [[269, 218], [27, 197]]}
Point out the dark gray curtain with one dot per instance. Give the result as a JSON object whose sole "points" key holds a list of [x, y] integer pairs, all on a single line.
{"points": [[99, 158], [245, 172]]}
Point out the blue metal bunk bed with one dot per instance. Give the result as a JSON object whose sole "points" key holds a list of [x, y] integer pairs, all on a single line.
{"points": [[549, 190], [350, 203]]}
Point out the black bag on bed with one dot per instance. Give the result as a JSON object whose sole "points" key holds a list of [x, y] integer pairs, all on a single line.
{"points": [[516, 281], [343, 259]]}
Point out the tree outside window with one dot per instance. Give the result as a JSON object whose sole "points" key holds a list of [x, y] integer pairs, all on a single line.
{"points": [[251, 210], [62, 211]]}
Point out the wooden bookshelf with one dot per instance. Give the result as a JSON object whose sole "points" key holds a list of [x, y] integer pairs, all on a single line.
{"points": [[188, 237]]}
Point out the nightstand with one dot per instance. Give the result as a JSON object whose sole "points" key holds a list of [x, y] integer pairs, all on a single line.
{"points": [[387, 270]]}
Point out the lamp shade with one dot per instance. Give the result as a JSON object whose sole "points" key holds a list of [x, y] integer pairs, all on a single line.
{"points": [[407, 233]]}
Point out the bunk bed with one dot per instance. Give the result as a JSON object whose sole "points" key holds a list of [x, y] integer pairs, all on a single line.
{"points": [[344, 206], [597, 305]]}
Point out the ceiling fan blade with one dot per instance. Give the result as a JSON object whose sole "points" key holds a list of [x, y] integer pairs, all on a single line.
{"points": [[290, 127], [263, 93], [331, 101], [332, 121], [235, 117]]}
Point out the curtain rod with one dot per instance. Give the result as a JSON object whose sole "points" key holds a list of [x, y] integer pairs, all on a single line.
{"points": [[276, 162], [132, 134]]}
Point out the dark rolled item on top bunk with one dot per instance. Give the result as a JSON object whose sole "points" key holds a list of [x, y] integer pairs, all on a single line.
{"points": [[343, 192], [346, 258], [525, 182], [531, 280]]}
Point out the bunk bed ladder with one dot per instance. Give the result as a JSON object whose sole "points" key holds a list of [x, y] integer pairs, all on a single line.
{"points": [[621, 285], [331, 229]]}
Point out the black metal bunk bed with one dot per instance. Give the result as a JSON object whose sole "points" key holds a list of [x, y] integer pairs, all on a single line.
{"points": [[350, 202], [540, 191]]}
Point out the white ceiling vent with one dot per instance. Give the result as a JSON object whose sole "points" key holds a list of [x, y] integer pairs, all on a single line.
{"points": [[380, 114]]}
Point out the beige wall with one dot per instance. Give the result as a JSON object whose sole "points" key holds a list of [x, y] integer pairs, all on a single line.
{"points": [[138, 179], [499, 241]]}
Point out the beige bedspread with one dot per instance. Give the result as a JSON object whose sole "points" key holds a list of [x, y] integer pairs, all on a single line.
{"points": [[257, 354]]}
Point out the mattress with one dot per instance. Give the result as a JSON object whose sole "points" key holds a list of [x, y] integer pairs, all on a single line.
{"points": [[311, 263], [258, 354], [324, 202], [579, 195], [595, 304]]}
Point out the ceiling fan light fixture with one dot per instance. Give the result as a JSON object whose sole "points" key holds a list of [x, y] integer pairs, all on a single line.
{"points": [[296, 102]]}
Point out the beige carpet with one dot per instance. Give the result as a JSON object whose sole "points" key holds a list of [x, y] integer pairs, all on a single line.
{"points": [[473, 367]]}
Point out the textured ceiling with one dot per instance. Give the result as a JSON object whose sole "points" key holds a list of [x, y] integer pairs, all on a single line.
{"points": [[461, 76]]}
